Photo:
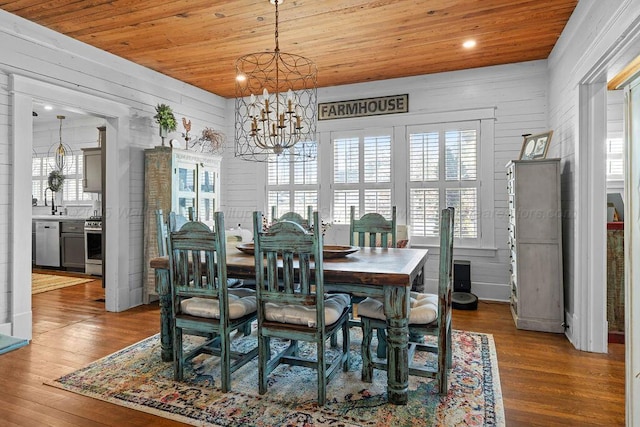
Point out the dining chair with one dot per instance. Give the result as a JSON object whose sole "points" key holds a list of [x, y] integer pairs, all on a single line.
{"points": [[292, 304], [429, 314], [293, 216], [201, 302], [371, 230]]}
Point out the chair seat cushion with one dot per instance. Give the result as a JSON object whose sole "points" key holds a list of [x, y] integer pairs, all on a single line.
{"points": [[423, 309], [334, 306], [241, 302]]}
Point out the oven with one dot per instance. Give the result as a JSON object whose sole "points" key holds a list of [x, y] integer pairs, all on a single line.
{"points": [[93, 246]]}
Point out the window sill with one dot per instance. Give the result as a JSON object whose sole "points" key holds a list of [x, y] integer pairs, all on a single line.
{"points": [[460, 250]]}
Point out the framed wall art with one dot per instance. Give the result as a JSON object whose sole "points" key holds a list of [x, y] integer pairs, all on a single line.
{"points": [[535, 147]]}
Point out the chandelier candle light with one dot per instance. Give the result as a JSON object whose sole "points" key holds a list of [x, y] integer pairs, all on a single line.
{"points": [[60, 153], [276, 105]]}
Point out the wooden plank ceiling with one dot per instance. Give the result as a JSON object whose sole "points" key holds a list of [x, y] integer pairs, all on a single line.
{"points": [[351, 41]]}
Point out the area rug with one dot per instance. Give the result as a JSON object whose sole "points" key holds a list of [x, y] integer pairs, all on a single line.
{"points": [[8, 343], [135, 377], [48, 282]]}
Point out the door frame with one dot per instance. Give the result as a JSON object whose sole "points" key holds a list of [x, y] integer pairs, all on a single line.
{"points": [[24, 90]]}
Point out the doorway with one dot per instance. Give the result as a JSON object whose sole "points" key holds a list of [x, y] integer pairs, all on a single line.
{"points": [[116, 278], [64, 252]]}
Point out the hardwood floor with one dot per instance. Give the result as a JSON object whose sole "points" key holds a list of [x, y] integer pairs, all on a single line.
{"points": [[545, 381]]}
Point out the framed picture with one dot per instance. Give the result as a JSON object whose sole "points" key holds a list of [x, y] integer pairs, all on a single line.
{"points": [[535, 147]]}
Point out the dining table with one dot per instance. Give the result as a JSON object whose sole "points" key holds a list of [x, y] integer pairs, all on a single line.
{"points": [[386, 273]]}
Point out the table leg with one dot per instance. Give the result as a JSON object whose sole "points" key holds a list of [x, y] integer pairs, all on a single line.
{"points": [[396, 303], [164, 294]]}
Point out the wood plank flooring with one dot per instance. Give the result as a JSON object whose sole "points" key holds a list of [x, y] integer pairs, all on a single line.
{"points": [[545, 381]]}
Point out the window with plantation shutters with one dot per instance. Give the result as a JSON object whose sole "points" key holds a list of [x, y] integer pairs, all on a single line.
{"points": [[362, 174], [292, 187], [443, 171], [615, 159], [72, 185]]}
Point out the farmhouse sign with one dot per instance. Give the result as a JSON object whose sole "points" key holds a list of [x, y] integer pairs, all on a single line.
{"points": [[363, 107]]}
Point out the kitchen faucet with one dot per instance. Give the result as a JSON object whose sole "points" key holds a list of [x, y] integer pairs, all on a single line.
{"points": [[53, 202]]}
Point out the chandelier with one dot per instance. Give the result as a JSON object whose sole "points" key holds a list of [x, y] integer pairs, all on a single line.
{"points": [[276, 106], [60, 154]]}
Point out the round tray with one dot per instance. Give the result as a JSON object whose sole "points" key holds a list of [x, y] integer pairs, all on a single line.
{"points": [[328, 251]]}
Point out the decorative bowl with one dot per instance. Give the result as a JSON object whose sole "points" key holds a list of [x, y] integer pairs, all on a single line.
{"points": [[328, 251]]}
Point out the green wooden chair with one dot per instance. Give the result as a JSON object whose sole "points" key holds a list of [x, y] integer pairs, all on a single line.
{"points": [[162, 278], [429, 314], [371, 230], [201, 302], [292, 304], [293, 216]]}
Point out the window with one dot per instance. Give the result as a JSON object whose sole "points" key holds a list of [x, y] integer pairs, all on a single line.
{"points": [[361, 174], [292, 186], [443, 171], [72, 186], [615, 159], [434, 161]]}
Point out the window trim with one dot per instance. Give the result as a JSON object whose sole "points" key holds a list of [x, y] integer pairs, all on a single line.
{"points": [[490, 209]]}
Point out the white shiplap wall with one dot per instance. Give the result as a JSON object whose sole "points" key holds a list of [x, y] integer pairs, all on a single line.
{"points": [[41, 54], [518, 92], [600, 38]]}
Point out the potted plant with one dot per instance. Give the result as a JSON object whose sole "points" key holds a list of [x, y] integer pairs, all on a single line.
{"points": [[165, 118]]}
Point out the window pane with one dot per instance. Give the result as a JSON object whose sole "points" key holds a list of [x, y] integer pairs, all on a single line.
{"points": [[378, 201], [305, 172], [36, 166], [279, 199], [342, 202], [460, 155], [465, 201], [377, 159], [346, 161], [303, 199], [424, 156], [424, 211], [278, 172], [36, 190], [615, 158]]}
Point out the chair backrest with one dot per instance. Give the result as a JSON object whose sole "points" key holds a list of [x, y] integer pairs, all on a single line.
{"points": [[197, 261], [294, 217], [377, 228], [162, 230], [445, 276], [289, 243]]}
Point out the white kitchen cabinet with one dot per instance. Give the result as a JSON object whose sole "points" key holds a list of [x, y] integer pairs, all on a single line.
{"points": [[535, 244], [92, 170], [176, 180]]}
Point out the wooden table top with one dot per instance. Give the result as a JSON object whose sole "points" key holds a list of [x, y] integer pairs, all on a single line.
{"points": [[370, 266]]}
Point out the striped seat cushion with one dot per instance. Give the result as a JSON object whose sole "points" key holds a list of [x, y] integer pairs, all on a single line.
{"points": [[241, 302], [334, 306], [423, 309]]}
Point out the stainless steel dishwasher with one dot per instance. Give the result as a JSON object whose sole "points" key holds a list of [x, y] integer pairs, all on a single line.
{"points": [[48, 243]]}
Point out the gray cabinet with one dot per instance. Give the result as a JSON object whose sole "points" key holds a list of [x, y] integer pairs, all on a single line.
{"points": [[535, 244], [92, 170], [176, 180], [72, 245]]}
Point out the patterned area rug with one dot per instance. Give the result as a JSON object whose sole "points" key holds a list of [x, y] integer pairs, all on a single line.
{"points": [[135, 377], [48, 282]]}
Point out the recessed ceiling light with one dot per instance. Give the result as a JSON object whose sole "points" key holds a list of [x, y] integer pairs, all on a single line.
{"points": [[48, 107], [241, 77], [469, 44]]}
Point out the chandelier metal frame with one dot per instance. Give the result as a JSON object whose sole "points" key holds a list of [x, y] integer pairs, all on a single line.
{"points": [[60, 153], [276, 105]]}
